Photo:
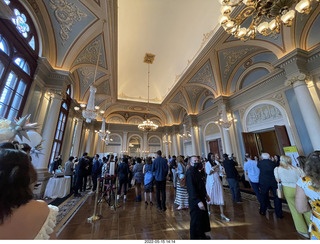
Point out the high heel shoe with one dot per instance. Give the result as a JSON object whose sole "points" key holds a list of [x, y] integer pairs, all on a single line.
{"points": [[146, 203], [151, 203], [224, 217]]}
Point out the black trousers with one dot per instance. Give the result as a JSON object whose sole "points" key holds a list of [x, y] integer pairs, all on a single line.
{"points": [[161, 188], [124, 183], [199, 222], [94, 179], [265, 199], [79, 183]]}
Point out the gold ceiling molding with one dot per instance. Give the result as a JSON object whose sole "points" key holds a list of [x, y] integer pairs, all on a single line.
{"points": [[206, 37], [122, 95], [232, 57], [66, 14]]}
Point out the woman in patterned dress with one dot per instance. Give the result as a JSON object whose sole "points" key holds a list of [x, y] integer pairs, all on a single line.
{"points": [[214, 185], [181, 193], [308, 193]]}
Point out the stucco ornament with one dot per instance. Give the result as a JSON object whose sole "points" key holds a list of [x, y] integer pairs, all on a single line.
{"points": [[292, 80], [66, 14]]}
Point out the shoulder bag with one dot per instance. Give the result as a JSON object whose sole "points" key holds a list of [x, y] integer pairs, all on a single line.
{"points": [[279, 189]]}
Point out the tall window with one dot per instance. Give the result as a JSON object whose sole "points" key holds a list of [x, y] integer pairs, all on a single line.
{"points": [[18, 60], [63, 116]]}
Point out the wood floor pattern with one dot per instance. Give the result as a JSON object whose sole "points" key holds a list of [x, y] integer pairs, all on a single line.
{"points": [[135, 221]]}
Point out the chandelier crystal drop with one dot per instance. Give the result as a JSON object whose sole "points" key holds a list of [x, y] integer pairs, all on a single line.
{"points": [[267, 16], [225, 120], [90, 113], [148, 125]]}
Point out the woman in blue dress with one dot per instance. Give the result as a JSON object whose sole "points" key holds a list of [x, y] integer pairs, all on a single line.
{"points": [[148, 180]]}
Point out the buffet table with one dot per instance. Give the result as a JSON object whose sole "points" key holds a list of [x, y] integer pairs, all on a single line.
{"points": [[58, 187]]}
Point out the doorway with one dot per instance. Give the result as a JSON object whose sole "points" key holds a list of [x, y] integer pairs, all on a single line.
{"points": [[215, 146], [271, 141]]}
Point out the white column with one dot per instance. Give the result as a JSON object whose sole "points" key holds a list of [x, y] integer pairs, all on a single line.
{"points": [[76, 145], [145, 143], [308, 109], [98, 150], [227, 141], [124, 142], [89, 139], [167, 146], [48, 133], [175, 144], [95, 143], [195, 140]]}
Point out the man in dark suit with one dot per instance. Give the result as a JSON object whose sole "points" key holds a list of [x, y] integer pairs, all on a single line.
{"points": [[160, 167], [232, 178], [198, 197], [268, 182], [81, 172]]}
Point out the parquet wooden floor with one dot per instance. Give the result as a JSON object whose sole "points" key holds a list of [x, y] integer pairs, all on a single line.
{"points": [[135, 221]]}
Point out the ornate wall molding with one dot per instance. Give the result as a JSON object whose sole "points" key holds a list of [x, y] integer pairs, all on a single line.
{"points": [[262, 113], [204, 76], [90, 54], [232, 57], [66, 14]]}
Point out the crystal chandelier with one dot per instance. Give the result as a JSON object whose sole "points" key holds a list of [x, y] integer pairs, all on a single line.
{"points": [[103, 133], [148, 125], [90, 113], [186, 134], [267, 16], [225, 120]]}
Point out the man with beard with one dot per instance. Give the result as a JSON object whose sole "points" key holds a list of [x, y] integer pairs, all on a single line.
{"points": [[198, 197]]}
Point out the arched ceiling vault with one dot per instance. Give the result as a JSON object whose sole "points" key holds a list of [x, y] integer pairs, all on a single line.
{"points": [[193, 54]]}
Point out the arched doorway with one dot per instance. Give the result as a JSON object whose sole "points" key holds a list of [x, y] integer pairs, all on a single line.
{"points": [[135, 146], [266, 129], [212, 137], [154, 144]]}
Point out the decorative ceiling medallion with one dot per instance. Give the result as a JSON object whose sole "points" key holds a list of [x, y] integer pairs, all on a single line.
{"points": [[66, 14], [149, 58], [137, 108], [248, 63]]}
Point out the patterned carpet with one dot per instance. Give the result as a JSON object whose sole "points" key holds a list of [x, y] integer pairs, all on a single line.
{"points": [[67, 209]]}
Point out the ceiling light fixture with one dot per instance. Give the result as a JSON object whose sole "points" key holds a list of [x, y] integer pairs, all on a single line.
{"points": [[148, 125], [225, 120], [267, 16]]}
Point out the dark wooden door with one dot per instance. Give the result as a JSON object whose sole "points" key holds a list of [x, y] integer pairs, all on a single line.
{"points": [[250, 143], [282, 137], [214, 147]]}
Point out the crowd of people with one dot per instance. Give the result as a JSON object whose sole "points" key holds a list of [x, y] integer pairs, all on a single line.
{"points": [[197, 182]]}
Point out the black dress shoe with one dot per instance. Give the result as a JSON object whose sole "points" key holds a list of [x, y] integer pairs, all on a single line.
{"points": [[205, 237], [164, 209], [280, 217], [159, 208], [262, 213]]}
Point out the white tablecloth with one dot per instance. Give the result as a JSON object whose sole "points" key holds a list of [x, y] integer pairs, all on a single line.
{"points": [[58, 187]]}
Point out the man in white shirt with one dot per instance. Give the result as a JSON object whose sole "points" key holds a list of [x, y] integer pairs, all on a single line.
{"points": [[253, 173]]}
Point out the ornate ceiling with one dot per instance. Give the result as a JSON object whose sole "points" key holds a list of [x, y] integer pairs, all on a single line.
{"points": [[195, 61]]}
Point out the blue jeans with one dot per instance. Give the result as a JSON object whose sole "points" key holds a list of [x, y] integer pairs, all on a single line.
{"points": [[234, 189], [174, 177], [256, 188]]}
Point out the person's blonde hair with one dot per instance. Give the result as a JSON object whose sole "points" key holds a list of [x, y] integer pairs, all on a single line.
{"points": [[285, 162]]}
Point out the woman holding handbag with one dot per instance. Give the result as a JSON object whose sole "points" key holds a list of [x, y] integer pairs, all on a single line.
{"points": [[287, 176], [214, 185], [182, 193]]}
